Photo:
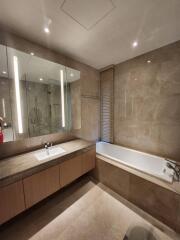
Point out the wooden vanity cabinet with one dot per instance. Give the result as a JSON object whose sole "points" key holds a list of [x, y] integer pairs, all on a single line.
{"points": [[11, 201], [70, 170], [73, 168], [88, 160], [17, 197], [41, 185]]}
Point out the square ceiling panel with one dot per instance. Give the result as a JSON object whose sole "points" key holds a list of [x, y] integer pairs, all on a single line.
{"points": [[87, 13]]}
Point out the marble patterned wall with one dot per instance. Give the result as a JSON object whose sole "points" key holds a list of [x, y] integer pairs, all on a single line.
{"points": [[147, 102]]}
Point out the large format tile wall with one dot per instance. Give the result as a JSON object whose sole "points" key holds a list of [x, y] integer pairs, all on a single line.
{"points": [[147, 102], [90, 102]]}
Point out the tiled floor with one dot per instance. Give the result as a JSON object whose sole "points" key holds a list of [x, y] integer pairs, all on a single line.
{"points": [[83, 211]]}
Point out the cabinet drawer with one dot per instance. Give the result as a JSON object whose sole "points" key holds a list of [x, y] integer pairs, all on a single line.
{"points": [[70, 170], [41, 185], [88, 160], [11, 201]]}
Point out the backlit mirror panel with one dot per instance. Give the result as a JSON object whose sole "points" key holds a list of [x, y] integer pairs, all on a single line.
{"points": [[38, 97], [6, 128], [46, 86]]}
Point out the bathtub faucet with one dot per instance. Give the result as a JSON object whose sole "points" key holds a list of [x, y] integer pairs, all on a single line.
{"points": [[174, 166]]}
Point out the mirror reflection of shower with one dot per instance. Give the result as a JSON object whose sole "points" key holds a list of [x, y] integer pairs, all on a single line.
{"points": [[37, 96]]}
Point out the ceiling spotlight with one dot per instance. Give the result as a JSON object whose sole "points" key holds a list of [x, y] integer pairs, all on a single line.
{"points": [[46, 30], [148, 61], [47, 23], [32, 54], [4, 72], [71, 74], [135, 44], [41, 79]]}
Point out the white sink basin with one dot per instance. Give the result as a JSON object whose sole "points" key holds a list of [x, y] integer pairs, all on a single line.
{"points": [[47, 153]]}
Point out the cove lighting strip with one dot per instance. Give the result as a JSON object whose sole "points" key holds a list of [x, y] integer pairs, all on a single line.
{"points": [[3, 107], [62, 97], [18, 97]]}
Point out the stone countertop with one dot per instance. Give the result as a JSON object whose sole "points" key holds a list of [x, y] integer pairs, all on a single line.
{"points": [[18, 167]]}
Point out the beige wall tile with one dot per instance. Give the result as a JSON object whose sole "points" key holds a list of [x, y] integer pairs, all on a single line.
{"points": [[113, 177], [158, 201], [147, 100], [90, 119]]}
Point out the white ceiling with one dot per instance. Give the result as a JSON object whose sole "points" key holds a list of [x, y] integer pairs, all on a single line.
{"points": [[98, 33], [87, 13]]}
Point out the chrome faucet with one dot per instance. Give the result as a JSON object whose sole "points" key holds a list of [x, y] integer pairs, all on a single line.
{"points": [[48, 145], [175, 167]]}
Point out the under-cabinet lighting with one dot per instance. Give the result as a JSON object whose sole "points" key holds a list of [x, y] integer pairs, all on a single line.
{"points": [[18, 97], [3, 107], [62, 97]]}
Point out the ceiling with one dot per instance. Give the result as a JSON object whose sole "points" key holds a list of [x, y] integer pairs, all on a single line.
{"points": [[97, 32]]}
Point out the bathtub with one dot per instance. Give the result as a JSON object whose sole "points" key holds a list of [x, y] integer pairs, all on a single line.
{"points": [[150, 164]]}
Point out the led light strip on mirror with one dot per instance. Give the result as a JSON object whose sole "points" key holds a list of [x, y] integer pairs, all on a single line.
{"points": [[18, 98], [62, 97]]}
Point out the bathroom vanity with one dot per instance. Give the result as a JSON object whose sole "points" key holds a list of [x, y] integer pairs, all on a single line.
{"points": [[25, 180], [40, 101]]}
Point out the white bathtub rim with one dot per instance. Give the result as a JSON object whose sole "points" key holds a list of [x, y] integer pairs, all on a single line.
{"points": [[133, 150], [175, 186], [165, 178], [160, 177]]}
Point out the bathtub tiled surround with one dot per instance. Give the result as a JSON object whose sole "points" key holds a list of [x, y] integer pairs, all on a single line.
{"points": [[147, 100], [159, 202]]}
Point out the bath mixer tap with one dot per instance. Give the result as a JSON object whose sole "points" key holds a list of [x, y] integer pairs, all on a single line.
{"points": [[175, 167]]}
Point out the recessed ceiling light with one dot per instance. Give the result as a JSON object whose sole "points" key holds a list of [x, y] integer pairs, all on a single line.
{"points": [[4, 72], [135, 44], [41, 79], [148, 61], [46, 30], [32, 53], [47, 23], [71, 74]]}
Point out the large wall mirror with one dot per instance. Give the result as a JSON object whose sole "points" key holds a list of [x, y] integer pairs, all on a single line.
{"points": [[37, 96]]}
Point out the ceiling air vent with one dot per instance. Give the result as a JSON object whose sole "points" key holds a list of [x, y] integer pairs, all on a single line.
{"points": [[87, 13]]}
